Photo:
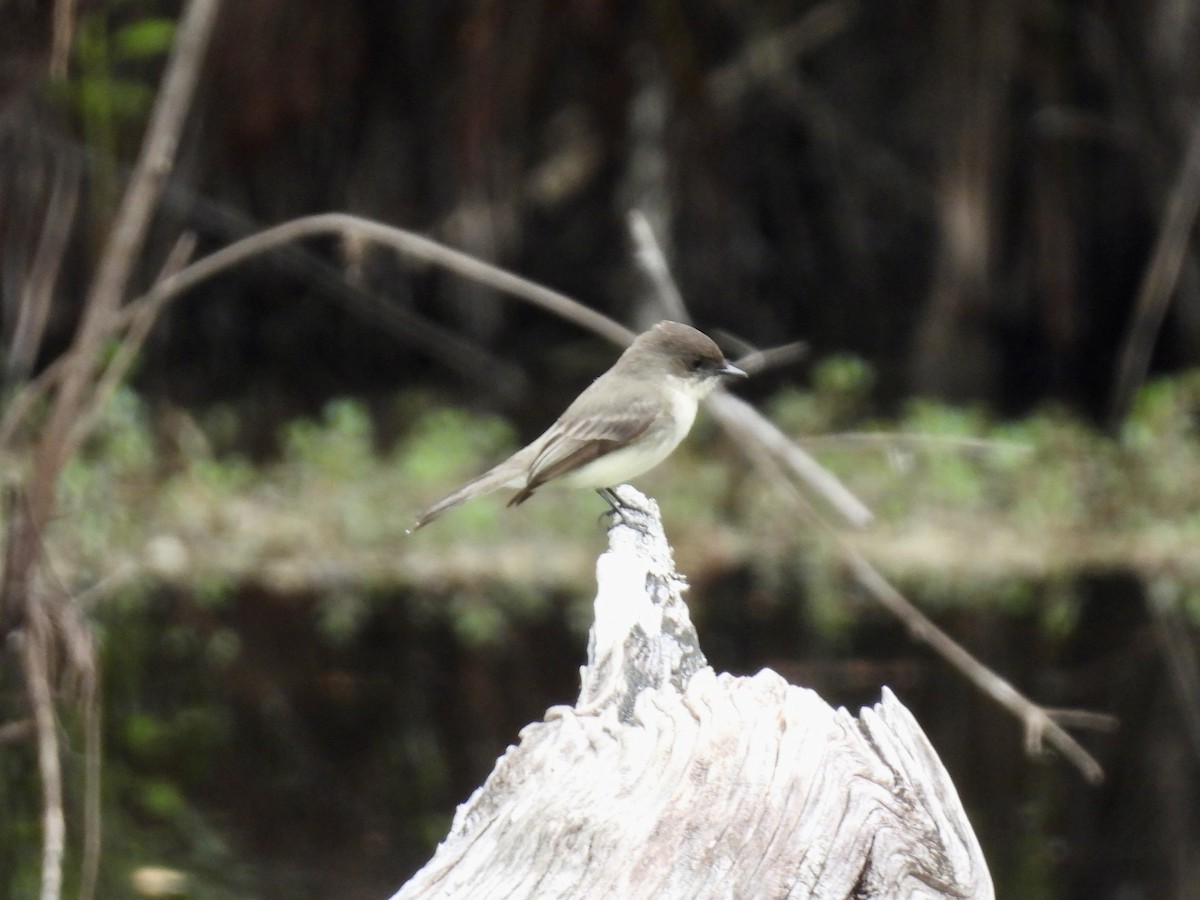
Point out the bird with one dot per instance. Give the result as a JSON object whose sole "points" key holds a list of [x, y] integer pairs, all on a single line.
{"points": [[624, 423]]}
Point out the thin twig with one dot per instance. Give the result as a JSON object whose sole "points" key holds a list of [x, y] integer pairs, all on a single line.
{"points": [[648, 252], [21, 730], [37, 292], [746, 423], [22, 402], [35, 641], [1083, 719], [93, 749], [135, 335], [407, 325], [64, 30], [774, 56], [1171, 629], [736, 415], [755, 361], [1039, 723], [66, 622], [1159, 282], [894, 440]]}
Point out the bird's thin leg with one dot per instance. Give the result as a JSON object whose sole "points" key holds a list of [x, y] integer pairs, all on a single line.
{"points": [[617, 509], [614, 502]]}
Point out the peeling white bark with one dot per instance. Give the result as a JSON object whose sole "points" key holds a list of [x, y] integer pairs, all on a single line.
{"points": [[668, 780]]}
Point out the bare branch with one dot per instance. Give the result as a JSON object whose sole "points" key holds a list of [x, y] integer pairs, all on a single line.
{"points": [[344, 286], [406, 242]]}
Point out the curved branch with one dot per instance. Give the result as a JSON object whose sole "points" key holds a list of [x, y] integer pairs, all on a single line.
{"points": [[406, 242]]}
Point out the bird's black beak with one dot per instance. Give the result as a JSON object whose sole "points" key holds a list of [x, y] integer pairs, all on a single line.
{"points": [[732, 370]]}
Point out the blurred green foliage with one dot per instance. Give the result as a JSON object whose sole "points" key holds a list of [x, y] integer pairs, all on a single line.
{"points": [[961, 498], [337, 446], [452, 444], [110, 89]]}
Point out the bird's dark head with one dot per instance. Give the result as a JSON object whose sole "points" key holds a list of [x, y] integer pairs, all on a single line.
{"points": [[689, 357]]}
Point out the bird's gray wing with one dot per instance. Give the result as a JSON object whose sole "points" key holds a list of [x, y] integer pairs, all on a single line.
{"points": [[576, 440]]}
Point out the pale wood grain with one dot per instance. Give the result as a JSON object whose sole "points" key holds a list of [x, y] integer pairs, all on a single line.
{"points": [[668, 780]]}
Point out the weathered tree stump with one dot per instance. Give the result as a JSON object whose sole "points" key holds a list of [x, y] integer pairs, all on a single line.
{"points": [[667, 780]]}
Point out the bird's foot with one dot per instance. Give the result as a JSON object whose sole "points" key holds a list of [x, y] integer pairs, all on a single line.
{"points": [[621, 513]]}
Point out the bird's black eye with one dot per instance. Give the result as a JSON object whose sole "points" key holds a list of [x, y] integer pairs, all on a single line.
{"points": [[695, 364]]}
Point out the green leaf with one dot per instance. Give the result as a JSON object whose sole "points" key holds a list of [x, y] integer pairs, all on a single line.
{"points": [[144, 38]]}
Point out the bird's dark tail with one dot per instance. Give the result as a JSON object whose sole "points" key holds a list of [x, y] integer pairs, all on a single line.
{"points": [[487, 483]]}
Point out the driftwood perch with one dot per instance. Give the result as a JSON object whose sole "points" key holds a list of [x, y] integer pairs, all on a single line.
{"points": [[667, 780]]}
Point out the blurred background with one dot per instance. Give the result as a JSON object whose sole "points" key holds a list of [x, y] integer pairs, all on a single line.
{"points": [[977, 213]]}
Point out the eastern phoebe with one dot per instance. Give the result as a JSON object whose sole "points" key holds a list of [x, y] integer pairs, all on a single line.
{"points": [[626, 422]]}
